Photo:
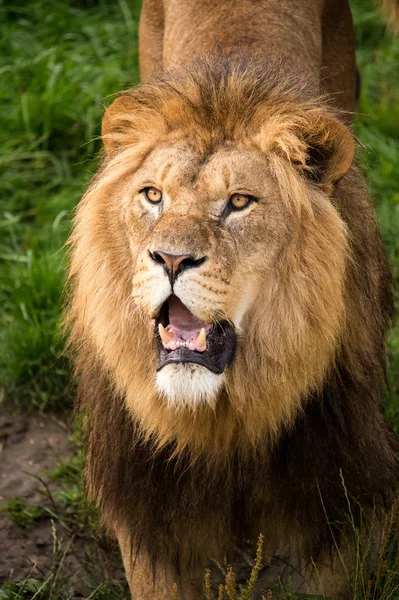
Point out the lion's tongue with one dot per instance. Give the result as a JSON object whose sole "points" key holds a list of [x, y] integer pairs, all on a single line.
{"points": [[184, 327], [181, 319]]}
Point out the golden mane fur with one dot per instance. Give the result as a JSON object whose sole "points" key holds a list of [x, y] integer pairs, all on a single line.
{"points": [[313, 310]]}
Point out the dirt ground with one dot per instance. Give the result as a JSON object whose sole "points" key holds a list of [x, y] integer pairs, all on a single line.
{"points": [[29, 447]]}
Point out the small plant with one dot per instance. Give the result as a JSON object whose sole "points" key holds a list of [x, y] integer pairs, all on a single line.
{"points": [[30, 589], [229, 589], [246, 595], [22, 512]]}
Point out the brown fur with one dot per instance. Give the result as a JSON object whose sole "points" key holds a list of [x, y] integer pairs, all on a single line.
{"points": [[314, 38], [180, 484]]}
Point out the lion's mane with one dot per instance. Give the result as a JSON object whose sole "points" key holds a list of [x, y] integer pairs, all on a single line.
{"points": [[302, 404]]}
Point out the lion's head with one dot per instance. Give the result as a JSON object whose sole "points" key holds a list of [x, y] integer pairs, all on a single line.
{"points": [[209, 253]]}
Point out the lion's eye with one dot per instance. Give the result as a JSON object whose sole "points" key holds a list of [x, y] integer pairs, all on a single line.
{"points": [[239, 201], [153, 195]]}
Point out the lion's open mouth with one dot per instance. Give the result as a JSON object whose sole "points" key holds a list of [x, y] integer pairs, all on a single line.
{"points": [[182, 337]]}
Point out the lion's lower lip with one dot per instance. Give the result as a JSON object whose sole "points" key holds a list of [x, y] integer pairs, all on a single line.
{"points": [[220, 346]]}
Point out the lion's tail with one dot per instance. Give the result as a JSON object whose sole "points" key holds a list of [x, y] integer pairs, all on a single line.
{"points": [[391, 10]]}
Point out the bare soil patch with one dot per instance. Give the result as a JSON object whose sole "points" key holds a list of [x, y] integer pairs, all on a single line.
{"points": [[30, 446]]}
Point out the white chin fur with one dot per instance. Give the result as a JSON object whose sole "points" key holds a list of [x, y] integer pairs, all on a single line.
{"points": [[188, 384]]}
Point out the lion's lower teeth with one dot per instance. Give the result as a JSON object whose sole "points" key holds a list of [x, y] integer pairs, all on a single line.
{"points": [[174, 344], [187, 345]]}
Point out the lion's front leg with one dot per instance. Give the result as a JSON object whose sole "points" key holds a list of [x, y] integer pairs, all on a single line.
{"points": [[328, 577], [147, 584], [337, 572]]}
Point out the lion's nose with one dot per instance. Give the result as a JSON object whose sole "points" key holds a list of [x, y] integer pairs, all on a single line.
{"points": [[174, 264]]}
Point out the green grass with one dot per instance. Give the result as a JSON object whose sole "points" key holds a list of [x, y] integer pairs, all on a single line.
{"points": [[58, 63], [22, 512], [34, 589], [377, 125]]}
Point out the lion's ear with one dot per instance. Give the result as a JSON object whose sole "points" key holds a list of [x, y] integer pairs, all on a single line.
{"points": [[329, 148], [117, 123], [319, 146]]}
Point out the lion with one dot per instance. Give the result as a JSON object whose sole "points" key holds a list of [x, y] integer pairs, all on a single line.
{"points": [[230, 299]]}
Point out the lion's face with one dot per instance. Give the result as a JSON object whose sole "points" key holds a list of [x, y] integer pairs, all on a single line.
{"points": [[204, 236], [209, 254]]}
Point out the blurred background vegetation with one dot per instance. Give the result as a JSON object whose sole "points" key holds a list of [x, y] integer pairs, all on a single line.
{"points": [[59, 63]]}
